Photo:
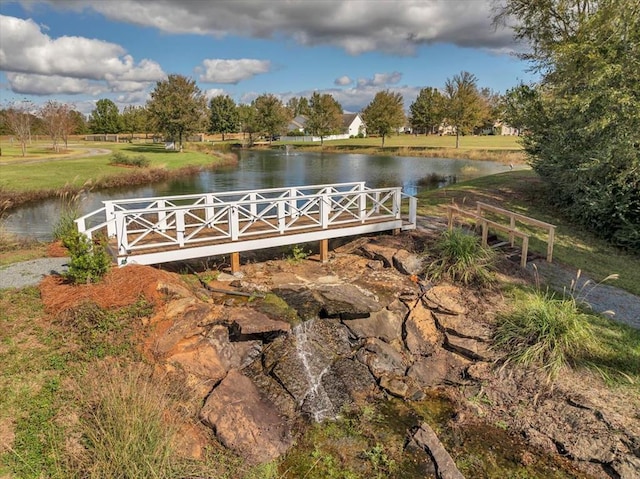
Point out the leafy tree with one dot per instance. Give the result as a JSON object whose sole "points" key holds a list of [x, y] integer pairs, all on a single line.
{"points": [[427, 111], [223, 115], [248, 118], [19, 120], [325, 116], [298, 106], [463, 104], [583, 118], [177, 107], [79, 122], [133, 119], [272, 115], [492, 110], [57, 122], [105, 118], [384, 114]]}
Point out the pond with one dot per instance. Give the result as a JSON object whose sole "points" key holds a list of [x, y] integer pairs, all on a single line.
{"points": [[271, 169]]}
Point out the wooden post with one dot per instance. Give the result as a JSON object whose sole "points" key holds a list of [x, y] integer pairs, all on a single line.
{"points": [[450, 215], [235, 262], [525, 247], [513, 226], [485, 232], [324, 250], [552, 233]]}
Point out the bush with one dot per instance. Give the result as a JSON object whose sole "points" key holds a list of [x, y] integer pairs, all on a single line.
{"points": [[545, 329], [89, 262], [461, 258], [138, 161]]}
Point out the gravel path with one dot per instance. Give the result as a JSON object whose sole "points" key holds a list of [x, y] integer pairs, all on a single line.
{"points": [[29, 273]]}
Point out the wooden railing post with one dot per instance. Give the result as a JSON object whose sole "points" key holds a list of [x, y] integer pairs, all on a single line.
{"points": [[209, 210], [525, 248], [325, 208], [121, 232], [552, 235], [162, 215], [180, 227], [282, 220], [234, 226], [485, 232], [362, 206], [109, 209]]}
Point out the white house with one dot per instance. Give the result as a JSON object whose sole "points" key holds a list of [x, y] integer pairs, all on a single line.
{"points": [[353, 124]]}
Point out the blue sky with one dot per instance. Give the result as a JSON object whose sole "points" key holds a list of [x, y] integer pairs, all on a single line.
{"points": [[79, 51]]}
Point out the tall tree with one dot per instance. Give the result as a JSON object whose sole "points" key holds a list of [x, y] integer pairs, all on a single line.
{"points": [[20, 119], [56, 122], [583, 118], [384, 114], [248, 118], [272, 115], [427, 111], [133, 118], [177, 107], [298, 106], [79, 121], [463, 104], [223, 115], [325, 116], [105, 118]]}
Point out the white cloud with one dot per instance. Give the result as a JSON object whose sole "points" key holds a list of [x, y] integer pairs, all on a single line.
{"points": [[209, 94], [357, 26], [216, 70], [52, 85], [381, 79], [36, 60], [344, 80]]}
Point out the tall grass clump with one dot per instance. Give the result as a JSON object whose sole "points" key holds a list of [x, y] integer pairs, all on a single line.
{"points": [[546, 330], [137, 161], [126, 429], [461, 257], [69, 211]]}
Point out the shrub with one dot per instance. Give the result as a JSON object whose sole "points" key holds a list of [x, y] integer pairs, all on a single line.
{"points": [[545, 329], [461, 258], [89, 262], [138, 161]]}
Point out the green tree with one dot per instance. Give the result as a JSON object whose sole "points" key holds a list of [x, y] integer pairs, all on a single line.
{"points": [[177, 107], [133, 118], [583, 118], [384, 114], [105, 118], [272, 115], [248, 118], [298, 106], [223, 115], [325, 116], [79, 121], [464, 106], [427, 111]]}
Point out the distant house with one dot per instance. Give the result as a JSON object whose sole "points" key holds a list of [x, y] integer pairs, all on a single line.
{"points": [[500, 128], [353, 124], [297, 124]]}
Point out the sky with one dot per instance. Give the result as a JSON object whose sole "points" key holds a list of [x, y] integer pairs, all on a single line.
{"points": [[80, 51]]}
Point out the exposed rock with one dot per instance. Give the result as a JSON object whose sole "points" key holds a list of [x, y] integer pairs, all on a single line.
{"points": [[244, 421], [464, 327], [402, 387], [346, 301], [437, 369], [442, 298], [470, 348], [375, 265], [251, 324], [198, 356], [445, 466], [381, 358], [301, 299], [408, 263], [385, 324], [422, 334], [627, 467], [272, 390], [348, 381], [173, 290], [379, 253]]}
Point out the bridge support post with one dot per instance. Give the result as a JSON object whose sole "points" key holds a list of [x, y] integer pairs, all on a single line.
{"points": [[235, 263], [324, 250]]}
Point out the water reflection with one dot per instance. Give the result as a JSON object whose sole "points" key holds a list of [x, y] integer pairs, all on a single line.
{"points": [[272, 169]]}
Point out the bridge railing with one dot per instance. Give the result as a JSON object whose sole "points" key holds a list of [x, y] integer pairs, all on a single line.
{"points": [[190, 220]]}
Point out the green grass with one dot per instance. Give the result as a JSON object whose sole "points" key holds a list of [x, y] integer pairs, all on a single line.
{"points": [[523, 192], [460, 257], [76, 172]]}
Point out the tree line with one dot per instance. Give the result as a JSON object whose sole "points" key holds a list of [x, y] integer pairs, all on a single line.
{"points": [[177, 108]]}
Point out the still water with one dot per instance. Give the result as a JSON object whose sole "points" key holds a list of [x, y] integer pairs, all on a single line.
{"points": [[269, 169]]}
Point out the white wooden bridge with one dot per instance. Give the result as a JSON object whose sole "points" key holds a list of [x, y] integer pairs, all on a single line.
{"points": [[173, 228]]}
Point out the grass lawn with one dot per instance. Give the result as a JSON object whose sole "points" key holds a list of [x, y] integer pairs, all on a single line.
{"points": [[45, 173], [523, 192]]}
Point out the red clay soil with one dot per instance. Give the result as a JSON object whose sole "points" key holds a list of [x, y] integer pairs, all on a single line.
{"points": [[120, 287], [56, 250]]}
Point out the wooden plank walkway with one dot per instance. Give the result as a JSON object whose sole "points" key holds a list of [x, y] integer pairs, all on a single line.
{"points": [[163, 229]]}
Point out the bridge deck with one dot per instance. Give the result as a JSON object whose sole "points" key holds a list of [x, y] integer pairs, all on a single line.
{"points": [[157, 230]]}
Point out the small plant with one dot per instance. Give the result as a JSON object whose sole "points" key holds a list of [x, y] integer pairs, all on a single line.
{"points": [[138, 161], [545, 329], [298, 254], [379, 459], [89, 262], [461, 258]]}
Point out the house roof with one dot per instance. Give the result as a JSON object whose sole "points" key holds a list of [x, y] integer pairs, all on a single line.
{"points": [[347, 119], [299, 121]]}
